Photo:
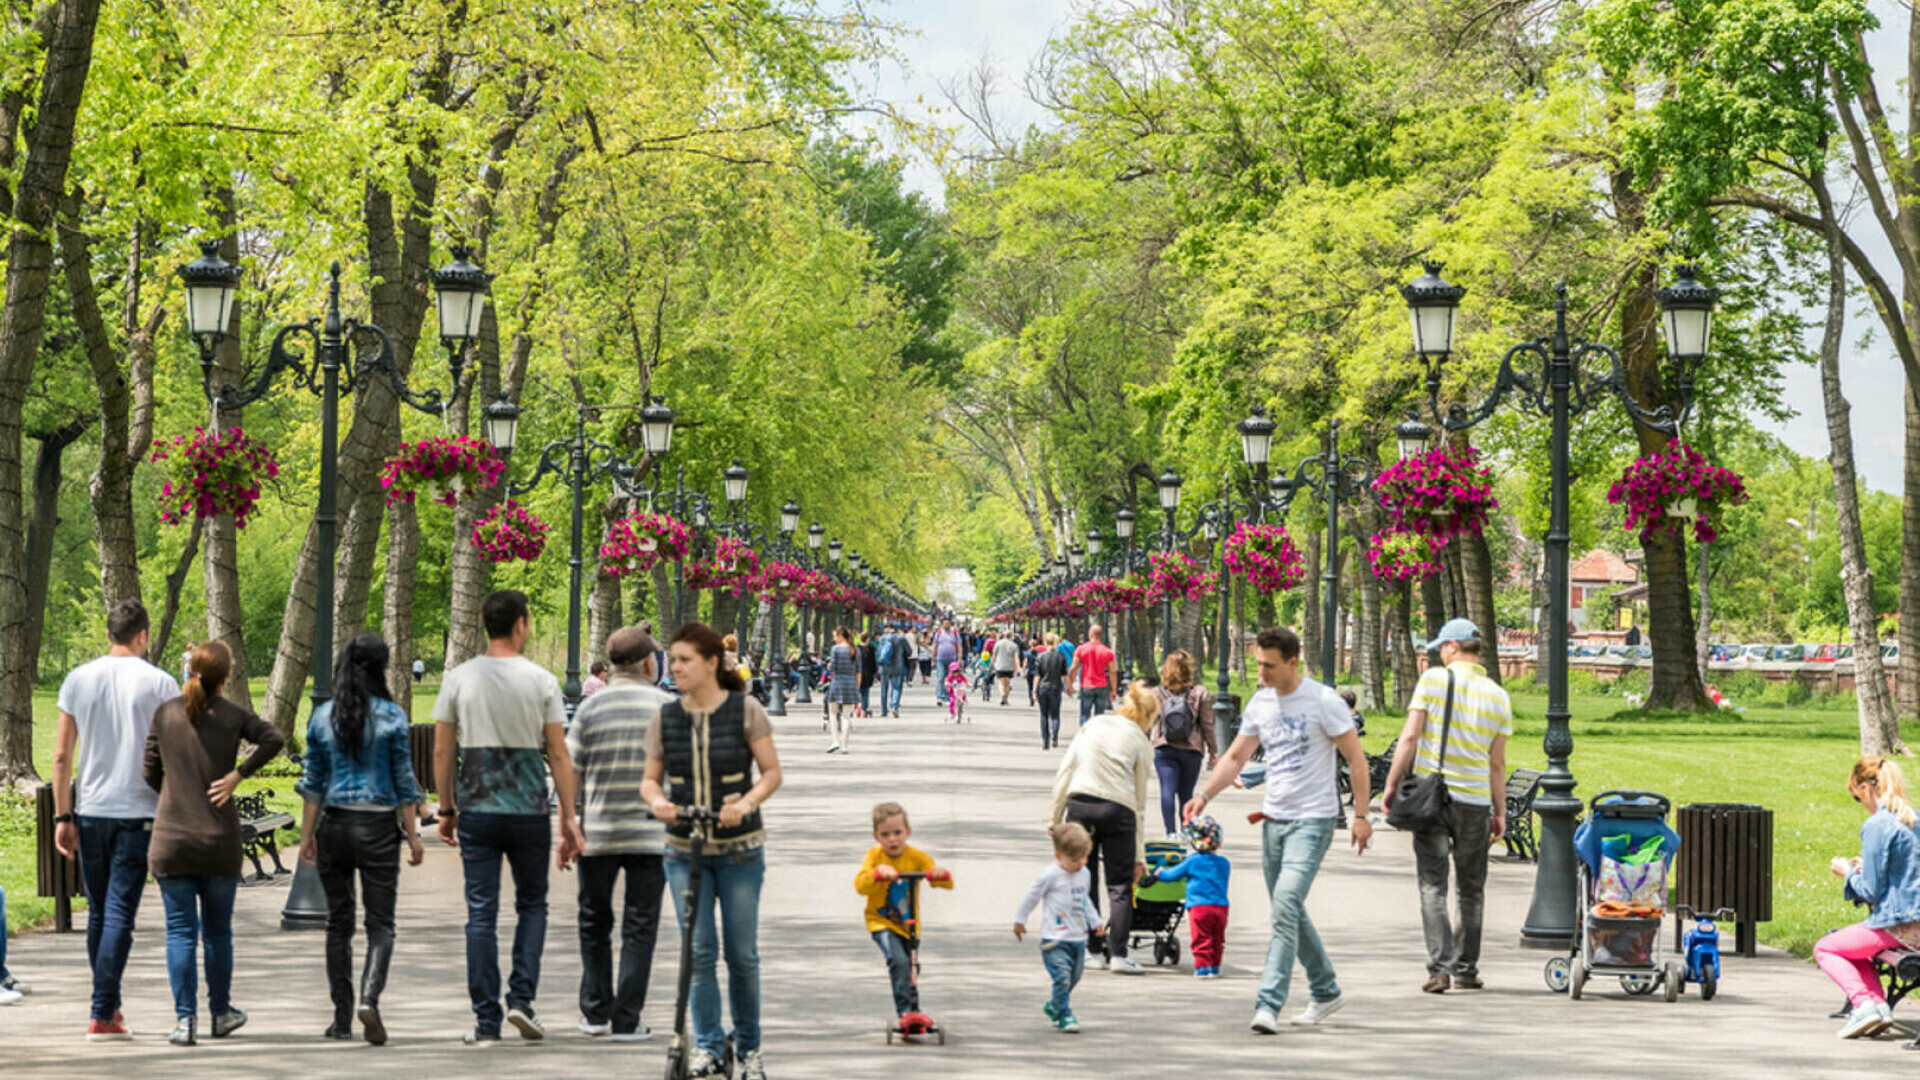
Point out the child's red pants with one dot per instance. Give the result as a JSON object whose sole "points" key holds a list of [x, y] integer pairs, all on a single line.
{"points": [[1208, 925]]}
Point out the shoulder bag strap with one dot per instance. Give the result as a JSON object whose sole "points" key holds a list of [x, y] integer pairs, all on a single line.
{"points": [[1446, 726]]}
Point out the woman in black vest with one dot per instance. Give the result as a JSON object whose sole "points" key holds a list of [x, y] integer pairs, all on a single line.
{"points": [[704, 751]]}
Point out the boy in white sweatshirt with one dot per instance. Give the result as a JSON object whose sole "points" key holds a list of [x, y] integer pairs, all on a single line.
{"points": [[1067, 916]]}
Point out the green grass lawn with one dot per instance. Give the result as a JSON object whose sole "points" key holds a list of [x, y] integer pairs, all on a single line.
{"points": [[25, 908]]}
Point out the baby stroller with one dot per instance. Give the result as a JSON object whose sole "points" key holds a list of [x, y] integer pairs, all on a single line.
{"points": [[1158, 906], [1625, 850]]}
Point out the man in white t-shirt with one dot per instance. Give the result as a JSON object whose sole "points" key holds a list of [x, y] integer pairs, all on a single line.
{"points": [[106, 706], [1301, 725]]}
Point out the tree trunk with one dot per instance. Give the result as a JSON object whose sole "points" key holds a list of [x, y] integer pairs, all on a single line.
{"points": [[1370, 660], [170, 604], [663, 627], [226, 621], [1703, 630], [1908, 668], [29, 263], [603, 613], [1406, 670], [1476, 572], [396, 613], [18, 756], [1879, 724]]}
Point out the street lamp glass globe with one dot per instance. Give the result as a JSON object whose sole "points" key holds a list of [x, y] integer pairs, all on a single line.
{"points": [[1412, 436], [816, 535], [656, 427], [1123, 523], [833, 551], [1431, 303], [211, 282], [1256, 438], [460, 288], [735, 476], [502, 422], [789, 517], [1169, 484], [1095, 543], [1208, 529], [1686, 315], [1076, 557]]}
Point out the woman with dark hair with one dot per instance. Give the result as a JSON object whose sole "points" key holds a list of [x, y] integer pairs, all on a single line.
{"points": [[869, 673], [705, 748], [195, 848], [360, 799], [843, 693]]}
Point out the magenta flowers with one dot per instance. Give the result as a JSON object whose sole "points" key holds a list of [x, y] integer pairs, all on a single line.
{"points": [[635, 543], [1266, 556], [447, 469], [1174, 575], [509, 532], [1402, 555], [209, 473], [1439, 494], [1666, 490], [779, 581], [732, 566]]}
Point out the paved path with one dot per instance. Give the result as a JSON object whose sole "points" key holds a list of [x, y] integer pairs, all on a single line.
{"points": [[978, 794]]}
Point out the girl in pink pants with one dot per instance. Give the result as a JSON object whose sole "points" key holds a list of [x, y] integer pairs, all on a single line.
{"points": [[1886, 877]]}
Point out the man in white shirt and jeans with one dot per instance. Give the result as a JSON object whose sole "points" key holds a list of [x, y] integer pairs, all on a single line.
{"points": [[106, 706], [1301, 724]]}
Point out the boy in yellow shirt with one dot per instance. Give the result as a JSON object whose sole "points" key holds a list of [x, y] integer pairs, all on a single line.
{"points": [[891, 902]]}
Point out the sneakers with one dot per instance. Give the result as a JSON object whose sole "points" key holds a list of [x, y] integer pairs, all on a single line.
{"points": [[8, 982], [1467, 982], [1265, 1022], [8, 997], [1866, 1018], [1125, 965], [107, 1030], [1097, 961], [751, 1067], [522, 1018], [701, 1064], [834, 749], [226, 1023], [638, 1035], [1317, 1011], [183, 1032], [1437, 983], [476, 1037], [1053, 1014], [593, 1030], [1207, 972], [1067, 1024]]}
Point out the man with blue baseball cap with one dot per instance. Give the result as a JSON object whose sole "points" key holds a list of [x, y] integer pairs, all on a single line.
{"points": [[1458, 706]]}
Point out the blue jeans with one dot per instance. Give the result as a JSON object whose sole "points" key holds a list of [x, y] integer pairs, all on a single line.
{"points": [[1066, 961], [866, 698], [940, 666], [1049, 697], [523, 841], [1094, 701], [113, 868], [900, 968], [1291, 854], [733, 883], [1179, 770], [200, 907], [891, 689], [3, 934]]}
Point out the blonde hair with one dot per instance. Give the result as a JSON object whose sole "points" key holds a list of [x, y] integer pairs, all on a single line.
{"points": [[731, 642], [1140, 706], [889, 809], [1176, 673], [1070, 838], [1052, 639], [1888, 784]]}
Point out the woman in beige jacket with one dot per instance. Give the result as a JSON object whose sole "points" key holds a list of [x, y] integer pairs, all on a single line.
{"points": [[1102, 784]]}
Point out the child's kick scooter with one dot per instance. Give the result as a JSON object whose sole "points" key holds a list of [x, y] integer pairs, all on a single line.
{"points": [[700, 819], [914, 1024]]}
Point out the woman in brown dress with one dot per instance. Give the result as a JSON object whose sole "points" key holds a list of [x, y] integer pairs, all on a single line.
{"points": [[195, 850]]}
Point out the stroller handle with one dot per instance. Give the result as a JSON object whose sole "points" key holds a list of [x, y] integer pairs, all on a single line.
{"points": [[1628, 795]]}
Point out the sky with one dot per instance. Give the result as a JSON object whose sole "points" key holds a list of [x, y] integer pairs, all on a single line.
{"points": [[949, 39]]}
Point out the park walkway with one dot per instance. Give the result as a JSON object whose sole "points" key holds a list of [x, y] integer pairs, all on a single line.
{"points": [[978, 795]]}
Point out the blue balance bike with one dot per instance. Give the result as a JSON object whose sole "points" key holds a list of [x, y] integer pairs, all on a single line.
{"points": [[1701, 947]]}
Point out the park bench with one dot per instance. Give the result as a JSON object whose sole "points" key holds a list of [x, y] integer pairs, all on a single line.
{"points": [[1899, 971], [258, 824], [1522, 786]]}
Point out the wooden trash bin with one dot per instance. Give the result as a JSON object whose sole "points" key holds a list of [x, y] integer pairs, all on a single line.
{"points": [[420, 745], [1726, 861], [57, 877]]}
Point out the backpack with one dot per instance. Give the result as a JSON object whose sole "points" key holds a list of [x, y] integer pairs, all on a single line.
{"points": [[887, 649], [1176, 719]]}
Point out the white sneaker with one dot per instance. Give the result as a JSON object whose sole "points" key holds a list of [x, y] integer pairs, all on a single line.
{"points": [[1125, 965], [1317, 1011], [589, 1028], [834, 749], [1865, 1019], [1265, 1022], [638, 1035], [8, 997], [1096, 962], [701, 1064], [751, 1068]]}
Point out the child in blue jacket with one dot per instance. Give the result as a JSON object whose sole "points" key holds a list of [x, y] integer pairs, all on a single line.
{"points": [[1205, 872]]}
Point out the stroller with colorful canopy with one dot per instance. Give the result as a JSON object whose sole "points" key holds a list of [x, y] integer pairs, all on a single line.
{"points": [[1159, 906], [1626, 850]]}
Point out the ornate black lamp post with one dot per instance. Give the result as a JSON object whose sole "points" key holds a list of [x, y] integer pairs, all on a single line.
{"points": [[816, 536], [1124, 521], [1168, 484], [734, 481], [777, 700], [1559, 388]]}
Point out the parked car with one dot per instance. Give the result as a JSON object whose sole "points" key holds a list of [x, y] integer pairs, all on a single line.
{"points": [[1831, 652], [1789, 654], [1723, 653], [1640, 652]]}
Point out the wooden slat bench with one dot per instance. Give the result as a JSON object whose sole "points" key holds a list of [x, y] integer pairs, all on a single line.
{"points": [[1522, 786], [258, 824]]}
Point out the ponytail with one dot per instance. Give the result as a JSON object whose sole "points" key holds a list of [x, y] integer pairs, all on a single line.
{"points": [[207, 669], [1888, 784]]}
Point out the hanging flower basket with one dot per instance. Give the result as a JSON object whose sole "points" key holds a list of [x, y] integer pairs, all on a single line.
{"points": [[816, 590], [1669, 489], [732, 566], [1440, 494], [778, 582], [209, 473], [1266, 556], [446, 469], [509, 532], [1403, 555], [636, 543], [1174, 575]]}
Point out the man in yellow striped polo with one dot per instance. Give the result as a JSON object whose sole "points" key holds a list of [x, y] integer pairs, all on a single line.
{"points": [[1475, 760]]}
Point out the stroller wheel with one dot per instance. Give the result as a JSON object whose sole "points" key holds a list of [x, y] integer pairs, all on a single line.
{"points": [[1639, 985], [1559, 972], [1577, 979], [1674, 973], [1173, 952]]}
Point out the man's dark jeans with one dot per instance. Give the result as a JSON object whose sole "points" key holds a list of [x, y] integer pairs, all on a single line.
{"points": [[1049, 715], [113, 867], [523, 840], [1094, 700], [600, 1002]]}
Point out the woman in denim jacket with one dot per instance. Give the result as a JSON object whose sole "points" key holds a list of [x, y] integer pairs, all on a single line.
{"points": [[359, 784], [1886, 876]]}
